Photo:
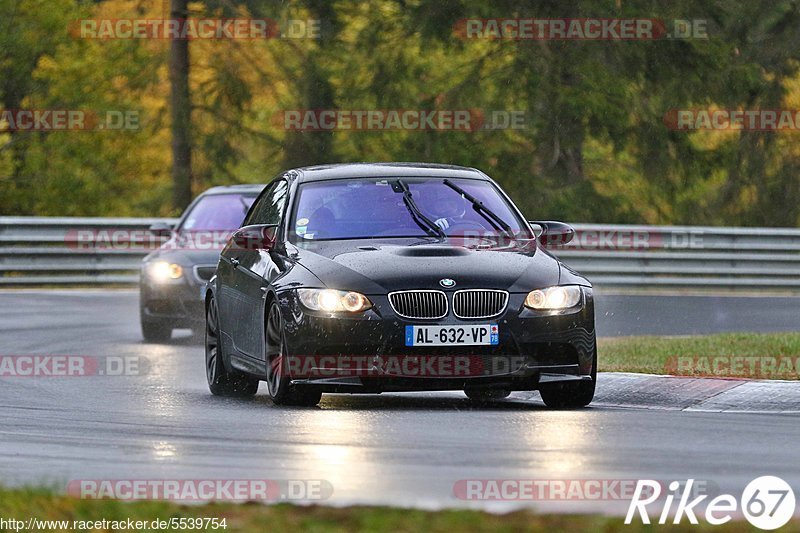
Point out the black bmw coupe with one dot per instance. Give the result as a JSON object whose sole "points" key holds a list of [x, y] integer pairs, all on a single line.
{"points": [[366, 278]]}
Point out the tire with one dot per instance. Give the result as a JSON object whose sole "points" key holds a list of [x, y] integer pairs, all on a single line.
{"points": [[279, 386], [221, 381], [571, 394], [486, 395], [155, 331]]}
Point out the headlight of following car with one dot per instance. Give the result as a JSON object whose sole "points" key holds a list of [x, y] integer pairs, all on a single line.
{"points": [[554, 298], [162, 271], [332, 301]]}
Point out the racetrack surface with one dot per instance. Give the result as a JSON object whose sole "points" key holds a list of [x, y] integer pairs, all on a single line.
{"points": [[395, 449], [659, 314]]}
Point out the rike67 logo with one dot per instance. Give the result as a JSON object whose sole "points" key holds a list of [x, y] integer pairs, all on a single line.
{"points": [[767, 503]]}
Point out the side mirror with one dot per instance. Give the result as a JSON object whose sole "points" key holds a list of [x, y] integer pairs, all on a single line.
{"points": [[255, 237], [161, 229], [553, 233]]}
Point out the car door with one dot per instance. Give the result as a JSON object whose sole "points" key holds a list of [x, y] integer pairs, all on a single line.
{"points": [[253, 270], [230, 297]]}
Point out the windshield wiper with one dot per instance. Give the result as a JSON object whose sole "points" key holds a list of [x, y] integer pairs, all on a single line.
{"points": [[485, 212], [422, 221]]}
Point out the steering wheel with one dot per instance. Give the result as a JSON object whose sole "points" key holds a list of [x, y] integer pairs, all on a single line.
{"points": [[466, 224]]}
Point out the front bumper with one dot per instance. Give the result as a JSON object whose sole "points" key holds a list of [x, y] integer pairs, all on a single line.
{"points": [[534, 348], [179, 303]]}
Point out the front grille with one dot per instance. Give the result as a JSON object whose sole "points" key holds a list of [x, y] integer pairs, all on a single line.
{"points": [[479, 303], [204, 273], [419, 304]]}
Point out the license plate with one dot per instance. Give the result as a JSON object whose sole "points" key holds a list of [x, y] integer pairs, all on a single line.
{"points": [[477, 335]]}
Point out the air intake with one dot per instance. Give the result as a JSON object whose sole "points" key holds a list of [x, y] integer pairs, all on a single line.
{"points": [[479, 303], [419, 304]]}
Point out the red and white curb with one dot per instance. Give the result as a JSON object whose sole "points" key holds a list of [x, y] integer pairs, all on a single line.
{"points": [[646, 391]]}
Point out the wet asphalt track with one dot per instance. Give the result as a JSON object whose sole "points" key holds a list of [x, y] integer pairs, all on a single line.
{"points": [[398, 449]]}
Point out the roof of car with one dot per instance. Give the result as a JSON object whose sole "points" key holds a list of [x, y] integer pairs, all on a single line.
{"points": [[253, 188], [389, 170]]}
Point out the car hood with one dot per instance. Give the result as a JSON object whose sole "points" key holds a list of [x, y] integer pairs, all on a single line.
{"points": [[377, 267]]}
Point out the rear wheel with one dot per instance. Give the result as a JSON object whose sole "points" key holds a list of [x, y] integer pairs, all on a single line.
{"points": [[572, 393], [279, 384], [486, 395], [221, 381]]}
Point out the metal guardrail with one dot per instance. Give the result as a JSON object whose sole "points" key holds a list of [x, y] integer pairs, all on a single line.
{"points": [[38, 251], [685, 256], [56, 251]]}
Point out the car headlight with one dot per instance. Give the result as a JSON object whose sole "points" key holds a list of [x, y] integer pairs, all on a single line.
{"points": [[553, 298], [332, 301], [162, 271]]}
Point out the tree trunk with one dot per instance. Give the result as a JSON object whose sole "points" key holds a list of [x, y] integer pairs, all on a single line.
{"points": [[301, 148], [180, 105]]}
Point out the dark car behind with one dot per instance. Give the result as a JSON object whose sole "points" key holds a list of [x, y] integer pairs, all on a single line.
{"points": [[173, 277]]}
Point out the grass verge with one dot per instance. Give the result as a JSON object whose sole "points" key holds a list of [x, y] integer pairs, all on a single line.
{"points": [[22, 504], [743, 355]]}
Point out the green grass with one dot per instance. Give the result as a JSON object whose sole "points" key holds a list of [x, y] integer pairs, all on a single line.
{"points": [[43, 504], [657, 355]]}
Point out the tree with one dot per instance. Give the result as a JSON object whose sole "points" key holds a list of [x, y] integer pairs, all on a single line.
{"points": [[181, 111], [29, 30]]}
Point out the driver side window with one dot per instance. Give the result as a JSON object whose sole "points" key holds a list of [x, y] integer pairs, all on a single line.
{"points": [[270, 207]]}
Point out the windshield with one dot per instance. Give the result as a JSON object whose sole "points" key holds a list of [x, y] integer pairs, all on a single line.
{"points": [[217, 212], [365, 208]]}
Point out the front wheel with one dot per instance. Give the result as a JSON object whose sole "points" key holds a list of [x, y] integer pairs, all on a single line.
{"points": [[570, 394], [279, 383], [221, 381], [155, 331]]}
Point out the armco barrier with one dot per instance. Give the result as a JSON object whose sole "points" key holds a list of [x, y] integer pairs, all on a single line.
{"points": [[685, 256], [45, 251]]}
